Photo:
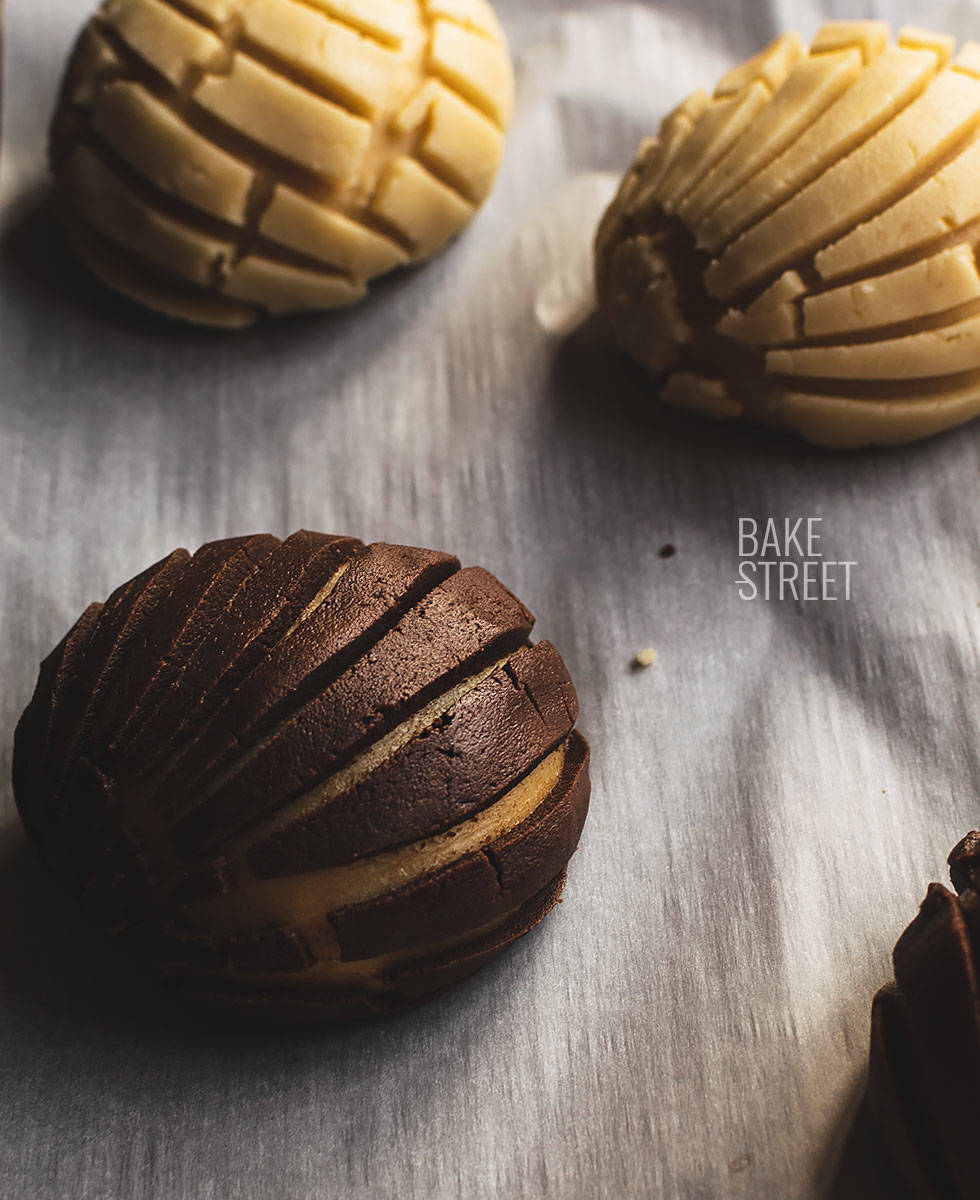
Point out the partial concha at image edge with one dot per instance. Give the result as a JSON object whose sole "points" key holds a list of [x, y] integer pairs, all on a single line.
{"points": [[308, 779], [925, 1039], [799, 248], [216, 160]]}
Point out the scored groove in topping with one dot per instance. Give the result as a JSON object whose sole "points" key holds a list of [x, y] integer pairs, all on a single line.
{"points": [[291, 149], [406, 668], [294, 898], [269, 606], [211, 580], [879, 93], [380, 586], [271, 759], [800, 248], [303, 815], [812, 86]]}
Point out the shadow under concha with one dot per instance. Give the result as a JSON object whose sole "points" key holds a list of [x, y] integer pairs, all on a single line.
{"points": [[57, 971], [60, 975], [55, 292], [603, 394], [861, 1169], [38, 259], [599, 396]]}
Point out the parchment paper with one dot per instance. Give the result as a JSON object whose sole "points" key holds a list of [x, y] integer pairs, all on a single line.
{"points": [[770, 798]]}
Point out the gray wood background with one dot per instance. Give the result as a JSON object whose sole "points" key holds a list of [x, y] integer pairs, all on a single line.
{"points": [[770, 799]]}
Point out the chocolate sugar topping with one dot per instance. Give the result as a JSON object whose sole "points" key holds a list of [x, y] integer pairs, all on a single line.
{"points": [[307, 778], [925, 1039]]}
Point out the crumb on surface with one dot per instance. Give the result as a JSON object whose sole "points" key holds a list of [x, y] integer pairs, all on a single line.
{"points": [[645, 658], [667, 551]]}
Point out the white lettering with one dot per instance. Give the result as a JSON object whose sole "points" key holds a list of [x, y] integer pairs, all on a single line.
{"points": [[748, 543], [770, 539], [747, 589], [790, 536], [788, 574]]}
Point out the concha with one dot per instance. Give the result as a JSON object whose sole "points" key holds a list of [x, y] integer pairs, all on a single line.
{"points": [[308, 779], [799, 248], [220, 159], [925, 1040]]}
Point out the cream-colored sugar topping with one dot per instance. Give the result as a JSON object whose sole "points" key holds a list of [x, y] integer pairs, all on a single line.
{"points": [[928, 286], [123, 272], [282, 288], [836, 230], [315, 134], [168, 41], [846, 423], [944, 205], [812, 86], [106, 201], [948, 351], [869, 37], [880, 91], [344, 62], [868, 179], [317, 231], [168, 153], [354, 135], [720, 126], [421, 207]]}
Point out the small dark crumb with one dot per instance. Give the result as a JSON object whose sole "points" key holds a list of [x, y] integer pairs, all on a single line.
{"points": [[667, 551], [739, 1164]]}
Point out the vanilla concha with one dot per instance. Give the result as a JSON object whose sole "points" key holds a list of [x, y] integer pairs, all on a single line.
{"points": [[799, 248], [221, 159]]}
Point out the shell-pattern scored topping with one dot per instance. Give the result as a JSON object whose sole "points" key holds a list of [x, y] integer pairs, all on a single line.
{"points": [[925, 1039], [800, 249], [308, 778], [222, 158]]}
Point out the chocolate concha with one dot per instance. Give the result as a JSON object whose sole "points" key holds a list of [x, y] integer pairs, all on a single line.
{"points": [[798, 249], [925, 1039], [220, 159], [308, 779]]}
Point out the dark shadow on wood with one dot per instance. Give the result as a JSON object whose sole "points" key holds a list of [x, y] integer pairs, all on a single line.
{"points": [[605, 396], [56, 971], [37, 258], [858, 1166], [600, 394]]}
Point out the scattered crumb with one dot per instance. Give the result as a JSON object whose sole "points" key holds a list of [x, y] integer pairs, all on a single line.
{"points": [[645, 658], [883, 792], [739, 1164], [667, 551]]}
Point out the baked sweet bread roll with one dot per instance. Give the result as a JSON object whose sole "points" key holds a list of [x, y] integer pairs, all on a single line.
{"points": [[217, 159], [308, 779], [925, 1039], [799, 248]]}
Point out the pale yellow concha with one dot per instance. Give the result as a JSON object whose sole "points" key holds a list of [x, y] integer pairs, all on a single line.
{"points": [[800, 249], [218, 159]]}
